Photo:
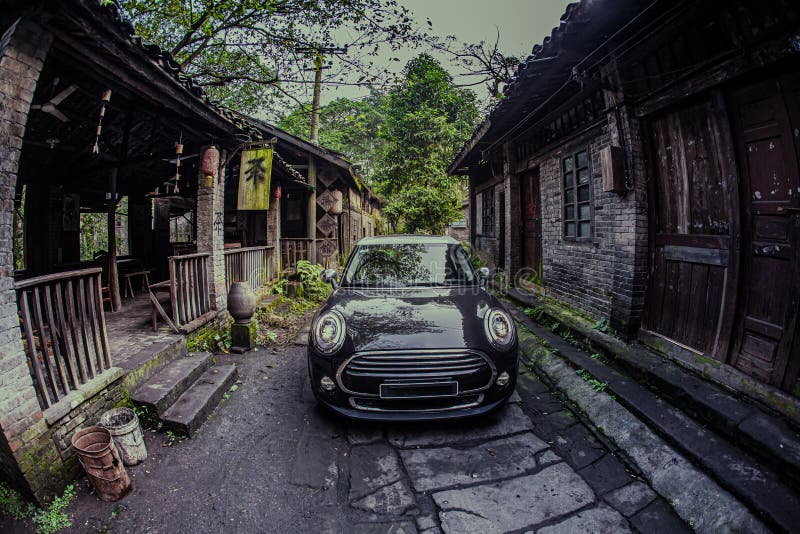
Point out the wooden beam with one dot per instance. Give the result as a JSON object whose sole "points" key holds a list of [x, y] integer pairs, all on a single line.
{"points": [[112, 273]]}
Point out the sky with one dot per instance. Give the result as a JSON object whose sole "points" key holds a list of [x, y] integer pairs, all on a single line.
{"points": [[521, 23]]}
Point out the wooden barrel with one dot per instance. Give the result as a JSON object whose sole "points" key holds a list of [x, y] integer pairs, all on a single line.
{"points": [[123, 424], [100, 459]]}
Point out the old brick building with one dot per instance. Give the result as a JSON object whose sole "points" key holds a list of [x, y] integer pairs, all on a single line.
{"points": [[643, 170]]}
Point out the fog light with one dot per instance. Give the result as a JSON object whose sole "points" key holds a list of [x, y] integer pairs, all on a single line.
{"points": [[327, 384], [502, 379]]}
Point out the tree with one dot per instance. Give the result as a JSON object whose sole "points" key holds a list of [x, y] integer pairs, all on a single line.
{"points": [[483, 61], [428, 119], [347, 126], [245, 51]]}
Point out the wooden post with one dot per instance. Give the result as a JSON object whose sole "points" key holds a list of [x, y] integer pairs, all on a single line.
{"points": [[311, 216], [113, 275]]}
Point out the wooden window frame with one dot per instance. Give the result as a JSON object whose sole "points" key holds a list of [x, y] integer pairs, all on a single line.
{"points": [[487, 211], [576, 203]]}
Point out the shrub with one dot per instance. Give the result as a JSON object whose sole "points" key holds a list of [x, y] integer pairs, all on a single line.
{"points": [[314, 288]]}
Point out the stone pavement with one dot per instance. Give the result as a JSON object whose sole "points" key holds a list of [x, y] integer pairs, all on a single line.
{"points": [[269, 460]]}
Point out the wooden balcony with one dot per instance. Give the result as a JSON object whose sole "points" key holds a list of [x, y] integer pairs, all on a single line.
{"points": [[64, 331]]}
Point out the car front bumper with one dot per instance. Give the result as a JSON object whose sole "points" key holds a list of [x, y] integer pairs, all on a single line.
{"points": [[374, 408]]}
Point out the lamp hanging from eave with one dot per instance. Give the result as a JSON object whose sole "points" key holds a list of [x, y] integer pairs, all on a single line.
{"points": [[210, 164]]}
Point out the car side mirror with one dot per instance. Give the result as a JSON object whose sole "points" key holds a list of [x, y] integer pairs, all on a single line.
{"points": [[329, 276], [483, 275]]}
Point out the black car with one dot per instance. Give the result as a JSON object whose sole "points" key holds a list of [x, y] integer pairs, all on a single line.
{"points": [[411, 333]]}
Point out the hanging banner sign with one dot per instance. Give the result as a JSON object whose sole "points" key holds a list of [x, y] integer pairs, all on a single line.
{"points": [[255, 172]]}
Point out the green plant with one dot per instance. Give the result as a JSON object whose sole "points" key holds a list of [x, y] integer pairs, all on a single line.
{"points": [[314, 289], [211, 338], [601, 325], [52, 518], [13, 505], [596, 384], [536, 313]]}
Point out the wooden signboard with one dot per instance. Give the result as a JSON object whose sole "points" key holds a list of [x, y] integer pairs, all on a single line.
{"points": [[255, 172]]}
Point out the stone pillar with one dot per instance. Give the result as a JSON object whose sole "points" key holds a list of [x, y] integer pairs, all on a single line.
{"points": [[514, 226], [211, 231], [29, 458]]}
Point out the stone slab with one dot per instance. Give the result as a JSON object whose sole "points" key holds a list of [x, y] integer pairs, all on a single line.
{"points": [[371, 467], [446, 467], [397, 527], [169, 383], [631, 498], [658, 516], [508, 420], [394, 499], [513, 504], [316, 462], [606, 474], [363, 433], [191, 409], [597, 520]]}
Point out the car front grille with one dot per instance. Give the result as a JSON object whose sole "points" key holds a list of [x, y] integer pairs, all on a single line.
{"points": [[364, 372]]}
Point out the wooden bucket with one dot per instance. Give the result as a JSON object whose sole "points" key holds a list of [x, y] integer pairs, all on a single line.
{"points": [[123, 424], [100, 459]]}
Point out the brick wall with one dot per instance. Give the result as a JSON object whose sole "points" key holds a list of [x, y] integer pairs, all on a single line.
{"points": [[211, 232], [28, 456]]}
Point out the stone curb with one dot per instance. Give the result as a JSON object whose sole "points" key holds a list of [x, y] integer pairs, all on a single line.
{"points": [[698, 392], [697, 499]]}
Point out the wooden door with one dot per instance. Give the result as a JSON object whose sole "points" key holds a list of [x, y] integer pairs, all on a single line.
{"points": [[531, 220], [768, 157], [694, 227]]}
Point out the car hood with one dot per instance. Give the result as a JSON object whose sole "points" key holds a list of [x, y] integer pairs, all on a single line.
{"points": [[413, 318]]}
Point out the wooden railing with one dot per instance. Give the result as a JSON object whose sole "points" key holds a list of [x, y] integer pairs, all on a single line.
{"points": [[252, 264], [190, 293], [64, 331], [293, 250]]}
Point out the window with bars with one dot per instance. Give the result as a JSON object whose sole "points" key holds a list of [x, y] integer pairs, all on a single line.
{"points": [[577, 195], [487, 212]]}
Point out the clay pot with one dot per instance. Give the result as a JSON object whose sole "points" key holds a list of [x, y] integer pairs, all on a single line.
{"points": [[241, 302]]}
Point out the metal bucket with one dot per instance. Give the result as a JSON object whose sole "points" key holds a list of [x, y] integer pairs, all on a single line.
{"points": [[127, 432], [100, 459]]}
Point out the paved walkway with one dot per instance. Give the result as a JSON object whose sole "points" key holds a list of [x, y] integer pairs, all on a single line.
{"points": [[269, 461]]}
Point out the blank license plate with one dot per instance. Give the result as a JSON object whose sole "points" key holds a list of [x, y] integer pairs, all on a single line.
{"points": [[417, 390]]}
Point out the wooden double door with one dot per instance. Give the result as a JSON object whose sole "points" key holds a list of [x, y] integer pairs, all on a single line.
{"points": [[725, 228], [531, 219]]}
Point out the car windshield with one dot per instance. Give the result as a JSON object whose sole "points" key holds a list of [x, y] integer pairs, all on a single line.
{"points": [[408, 265]]}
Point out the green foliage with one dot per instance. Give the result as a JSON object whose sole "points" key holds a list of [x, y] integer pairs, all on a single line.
{"points": [[474, 257], [52, 518], [596, 384], [248, 53], [537, 313], [314, 289], [214, 337], [47, 520], [347, 126], [428, 119], [13, 505], [601, 325]]}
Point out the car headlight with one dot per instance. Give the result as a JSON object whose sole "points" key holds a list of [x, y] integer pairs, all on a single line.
{"points": [[499, 328], [329, 331]]}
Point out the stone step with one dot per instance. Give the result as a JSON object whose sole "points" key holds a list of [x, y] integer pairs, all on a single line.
{"points": [[171, 381], [759, 431], [756, 485], [191, 409]]}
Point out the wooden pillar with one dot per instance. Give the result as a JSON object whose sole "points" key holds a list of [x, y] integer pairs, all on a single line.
{"points": [[113, 275], [311, 215]]}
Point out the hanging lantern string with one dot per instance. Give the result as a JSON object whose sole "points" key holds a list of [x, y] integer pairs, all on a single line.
{"points": [[178, 152], [103, 103]]}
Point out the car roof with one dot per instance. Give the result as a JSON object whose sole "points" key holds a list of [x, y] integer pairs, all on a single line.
{"points": [[411, 239]]}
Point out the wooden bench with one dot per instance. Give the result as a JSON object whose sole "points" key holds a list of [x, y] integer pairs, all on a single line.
{"points": [[127, 285]]}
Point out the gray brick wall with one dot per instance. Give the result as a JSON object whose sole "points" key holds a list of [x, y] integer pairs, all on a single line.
{"points": [[28, 456], [211, 232]]}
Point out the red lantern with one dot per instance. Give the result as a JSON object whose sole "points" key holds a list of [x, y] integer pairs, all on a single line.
{"points": [[210, 164], [276, 192]]}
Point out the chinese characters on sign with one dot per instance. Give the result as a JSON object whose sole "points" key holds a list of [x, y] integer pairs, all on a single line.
{"points": [[255, 171]]}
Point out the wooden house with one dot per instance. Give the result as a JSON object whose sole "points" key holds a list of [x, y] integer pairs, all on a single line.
{"points": [[642, 168]]}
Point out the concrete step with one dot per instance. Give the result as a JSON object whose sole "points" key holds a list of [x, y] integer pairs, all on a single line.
{"points": [[171, 381], [755, 484], [191, 409]]}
